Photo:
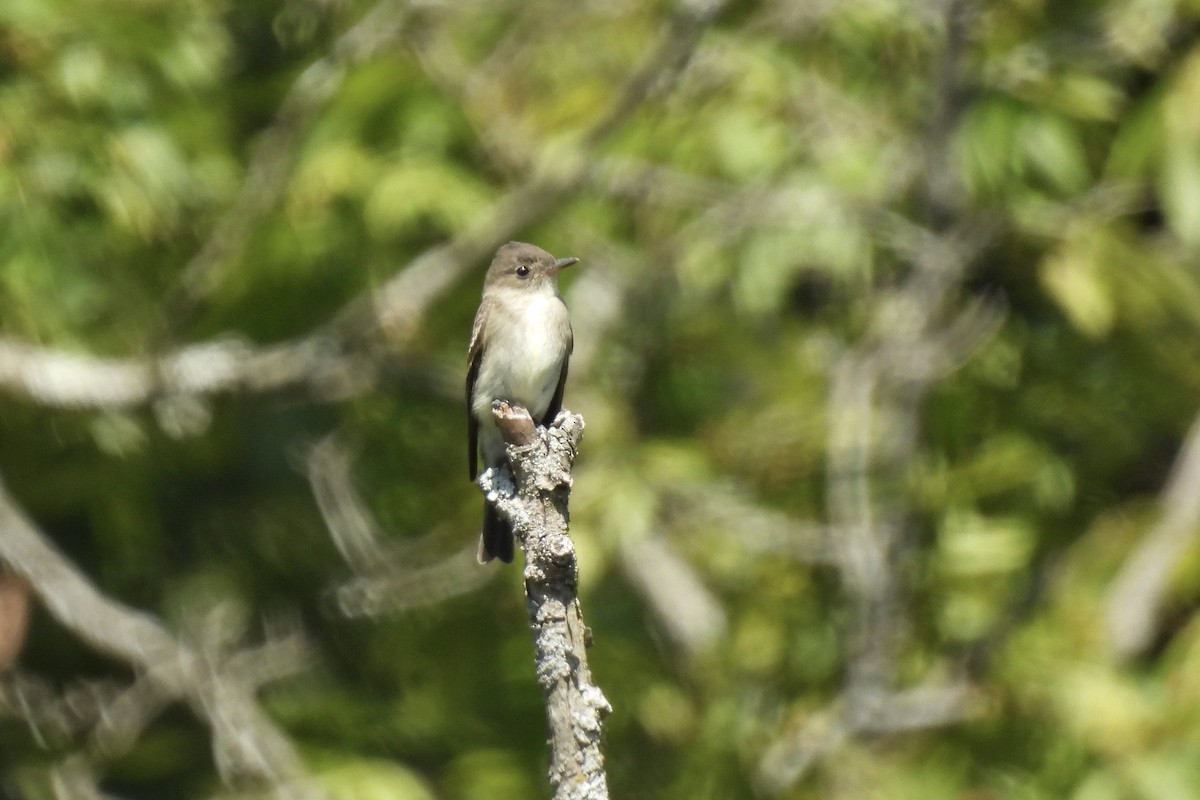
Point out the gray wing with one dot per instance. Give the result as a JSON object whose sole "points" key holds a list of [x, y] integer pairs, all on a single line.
{"points": [[556, 401], [474, 359]]}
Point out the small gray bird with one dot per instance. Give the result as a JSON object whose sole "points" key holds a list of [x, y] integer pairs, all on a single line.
{"points": [[520, 346]]}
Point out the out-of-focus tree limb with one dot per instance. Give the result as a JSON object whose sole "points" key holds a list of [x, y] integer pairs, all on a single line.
{"points": [[404, 589], [915, 336], [74, 779], [337, 360], [271, 160], [1139, 591], [532, 497], [690, 614], [353, 529], [873, 406], [879, 384], [246, 743], [56, 378], [390, 575], [693, 617], [397, 306], [56, 717], [922, 707]]}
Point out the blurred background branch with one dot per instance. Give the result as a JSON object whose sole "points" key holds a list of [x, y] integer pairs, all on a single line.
{"points": [[272, 159], [246, 744], [885, 332], [390, 575], [1139, 594]]}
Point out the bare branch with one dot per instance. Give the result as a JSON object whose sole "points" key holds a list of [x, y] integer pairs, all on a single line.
{"points": [[246, 743], [397, 306], [1138, 594], [689, 22], [516, 425], [874, 404], [354, 530], [54, 719], [533, 498], [337, 360], [271, 162], [58, 379], [724, 508], [914, 338], [403, 589], [390, 575], [73, 779], [921, 707], [823, 733], [123, 718], [692, 617]]}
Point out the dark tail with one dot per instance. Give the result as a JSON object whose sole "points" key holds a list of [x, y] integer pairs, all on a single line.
{"points": [[496, 539]]}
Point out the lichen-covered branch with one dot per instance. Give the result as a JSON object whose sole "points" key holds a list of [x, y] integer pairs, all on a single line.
{"points": [[533, 497]]}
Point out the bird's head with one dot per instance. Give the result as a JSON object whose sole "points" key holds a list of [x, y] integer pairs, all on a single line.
{"points": [[518, 265]]}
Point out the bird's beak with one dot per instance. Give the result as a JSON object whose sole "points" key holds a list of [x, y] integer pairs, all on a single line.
{"points": [[562, 263]]}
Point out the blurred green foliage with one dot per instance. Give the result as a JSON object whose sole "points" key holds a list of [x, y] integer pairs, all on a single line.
{"points": [[736, 242]]}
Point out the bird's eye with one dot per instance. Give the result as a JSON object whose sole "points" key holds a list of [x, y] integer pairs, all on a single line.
{"points": [[523, 270]]}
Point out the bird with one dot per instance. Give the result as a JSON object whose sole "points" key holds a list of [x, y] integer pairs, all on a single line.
{"points": [[521, 343]]}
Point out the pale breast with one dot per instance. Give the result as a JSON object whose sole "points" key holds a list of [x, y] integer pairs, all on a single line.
{"points": [[523, 354]]}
